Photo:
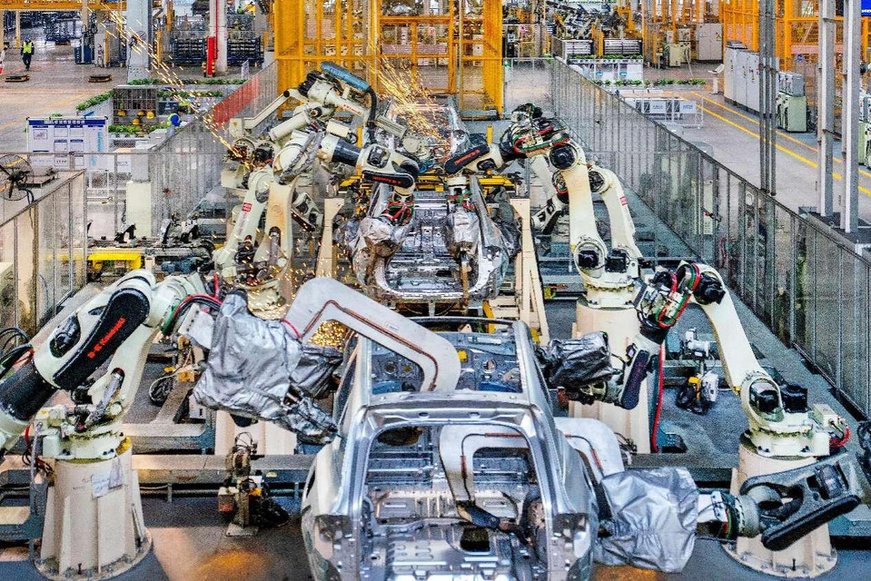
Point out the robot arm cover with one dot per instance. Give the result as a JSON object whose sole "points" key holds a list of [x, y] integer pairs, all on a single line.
{"points": [[250, 373]]}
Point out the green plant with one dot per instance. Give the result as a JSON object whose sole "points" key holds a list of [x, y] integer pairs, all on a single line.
{"points": [[183, 94], [189, 82], [95, 100], [137, 130]]}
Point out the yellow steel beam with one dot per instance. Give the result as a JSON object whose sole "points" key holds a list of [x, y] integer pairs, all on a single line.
{"points": [[66, 5], [352, 33]]}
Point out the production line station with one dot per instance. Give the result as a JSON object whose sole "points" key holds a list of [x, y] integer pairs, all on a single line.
{"points": [[399, 290]]}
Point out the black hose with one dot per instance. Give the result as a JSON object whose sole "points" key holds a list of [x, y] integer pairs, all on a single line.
{"points": [[9, 359], [370, 124], [13, 333]]}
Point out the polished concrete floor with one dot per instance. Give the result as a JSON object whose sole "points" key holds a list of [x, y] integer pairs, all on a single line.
{"points": [[57, 84], [733, 133]]}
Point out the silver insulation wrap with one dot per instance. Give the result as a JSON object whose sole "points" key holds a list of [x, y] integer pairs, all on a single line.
{"points": [[653, 517], [254, 371], [462, 232]]}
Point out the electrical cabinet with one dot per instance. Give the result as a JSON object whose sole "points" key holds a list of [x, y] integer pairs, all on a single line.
{"points": [[792, 112], [864, 144], [676, 54], [741, 76], [791, 102], [709, 41]]}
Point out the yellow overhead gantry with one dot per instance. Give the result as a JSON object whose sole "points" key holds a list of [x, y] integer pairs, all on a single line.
{"points": [[796, 29], [662, 21], [448, 46], [66, 5]]}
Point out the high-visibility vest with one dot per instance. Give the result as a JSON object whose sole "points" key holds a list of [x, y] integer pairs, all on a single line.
{"points": [[28, 47]]}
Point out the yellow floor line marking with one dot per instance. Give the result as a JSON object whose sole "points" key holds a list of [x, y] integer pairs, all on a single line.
{"points": [[782, 134], [752, 120], [801, 158]]}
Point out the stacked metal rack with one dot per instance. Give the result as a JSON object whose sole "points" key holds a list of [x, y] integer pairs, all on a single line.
{"points": [[188, 44], [137, 105], [62, 27], [243, 43], [8, 21]]}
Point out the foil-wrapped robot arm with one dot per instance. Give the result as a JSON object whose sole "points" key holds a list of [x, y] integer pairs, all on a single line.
{"points": [[581, 368], [253, 368]]}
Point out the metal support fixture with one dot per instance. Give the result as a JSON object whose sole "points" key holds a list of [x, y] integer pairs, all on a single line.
{"points": [[138, 35], [767, 96], [218, 29], [826, 106], [850, 112]]}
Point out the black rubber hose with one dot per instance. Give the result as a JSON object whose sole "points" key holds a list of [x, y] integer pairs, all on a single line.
{"points": [[9, 359], [370, 124]]}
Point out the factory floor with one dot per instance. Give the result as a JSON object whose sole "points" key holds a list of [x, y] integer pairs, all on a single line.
{"points": [[57, 84], [188, 533], [199, 550], [733, 133]]}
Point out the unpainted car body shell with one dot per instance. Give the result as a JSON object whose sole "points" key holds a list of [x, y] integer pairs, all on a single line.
{"points": [[332, 510]]}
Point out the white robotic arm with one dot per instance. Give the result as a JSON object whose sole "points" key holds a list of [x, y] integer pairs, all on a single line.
{"points": [[118, 326], [115, 328], [781, 424], [606, 184]]}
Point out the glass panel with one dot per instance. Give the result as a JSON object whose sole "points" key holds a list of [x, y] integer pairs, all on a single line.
{"points": [[710, 187], [47, 273], [804, 287], [747, 244], [783, 275], [27, 252], [827, 305], [78, 236], [854, 329], [7, 273], [766, 232], [62, 240]]}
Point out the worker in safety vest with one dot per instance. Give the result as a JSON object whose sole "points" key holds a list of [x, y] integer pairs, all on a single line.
{"points": [[27, 51]]}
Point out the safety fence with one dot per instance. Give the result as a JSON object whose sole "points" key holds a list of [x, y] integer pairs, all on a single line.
{"points": [[43, 246], [811, 290], [178, 172], [42, 253], [187, 166]]}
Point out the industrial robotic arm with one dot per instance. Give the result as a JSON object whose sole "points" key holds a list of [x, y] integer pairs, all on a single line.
{"points": [[785, 506], [112, 333], [260, 264], [781, 423], [115, 328], [537, 138], [795, 502]]}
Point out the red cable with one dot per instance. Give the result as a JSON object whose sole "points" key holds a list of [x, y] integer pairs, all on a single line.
{"points": [[217, 282], [839, 443], [292, 327], [653, 438]]}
